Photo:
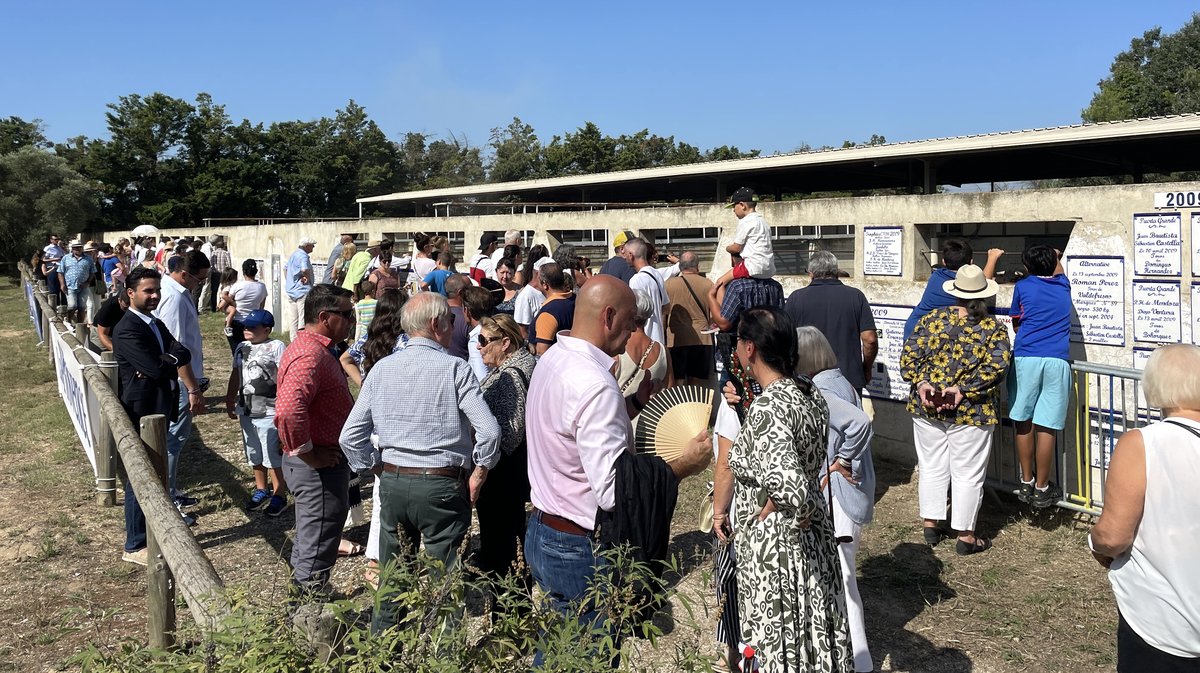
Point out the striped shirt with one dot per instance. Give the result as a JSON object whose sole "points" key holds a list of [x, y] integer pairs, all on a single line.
{"points": [[424, 405]]}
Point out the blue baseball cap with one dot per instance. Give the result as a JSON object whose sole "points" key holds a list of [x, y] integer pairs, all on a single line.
{"points": [[258, 318]]}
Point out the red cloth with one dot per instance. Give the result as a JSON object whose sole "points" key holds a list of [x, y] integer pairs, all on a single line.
{"points": [[740, 271], [313, 398]]}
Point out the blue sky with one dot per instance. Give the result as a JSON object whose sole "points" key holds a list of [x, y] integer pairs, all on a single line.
{"points": [[764, 75]]}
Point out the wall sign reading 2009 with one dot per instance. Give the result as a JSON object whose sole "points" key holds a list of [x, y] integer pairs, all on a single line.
{"points": [[1177, 199]]}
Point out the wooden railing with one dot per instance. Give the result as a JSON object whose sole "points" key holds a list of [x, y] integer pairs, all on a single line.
{"points": [[175, 557]]}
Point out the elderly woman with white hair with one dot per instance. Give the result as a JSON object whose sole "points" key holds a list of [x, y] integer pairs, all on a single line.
{"points": [[1149, 535], [848, 478], [645, 361], [955, 359]]}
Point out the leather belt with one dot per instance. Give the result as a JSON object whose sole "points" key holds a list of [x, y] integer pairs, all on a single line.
{"points": [[453, 472], [561, 524]]}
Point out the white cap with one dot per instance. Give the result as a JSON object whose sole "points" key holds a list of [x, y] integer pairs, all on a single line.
{"points": [[543, 262], [307, 241]]}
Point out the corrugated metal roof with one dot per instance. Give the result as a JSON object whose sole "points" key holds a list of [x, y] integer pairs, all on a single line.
{"points": [[912, 149]]}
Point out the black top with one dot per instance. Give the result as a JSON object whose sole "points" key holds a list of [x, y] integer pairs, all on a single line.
{"points": [[110, 313], [460, 334], [841, 313], [617, 266]]}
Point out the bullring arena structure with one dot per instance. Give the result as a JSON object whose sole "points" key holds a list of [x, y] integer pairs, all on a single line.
{"points": [[1131, 250]]}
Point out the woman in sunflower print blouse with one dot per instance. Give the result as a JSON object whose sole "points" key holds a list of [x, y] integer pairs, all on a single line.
{"points": [[955, 360]]}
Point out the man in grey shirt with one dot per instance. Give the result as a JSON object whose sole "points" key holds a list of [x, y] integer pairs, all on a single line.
{"points": [[434, 429]]}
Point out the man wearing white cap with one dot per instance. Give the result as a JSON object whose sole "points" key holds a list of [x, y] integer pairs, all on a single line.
{"points": [[532, 296], [74, 273], [298, 280]]}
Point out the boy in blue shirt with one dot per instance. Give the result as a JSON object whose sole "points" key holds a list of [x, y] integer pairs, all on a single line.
{"points": [[1040, 386]]}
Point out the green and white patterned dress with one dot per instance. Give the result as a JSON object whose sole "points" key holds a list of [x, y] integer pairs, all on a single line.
{"points": [[790, 594]]}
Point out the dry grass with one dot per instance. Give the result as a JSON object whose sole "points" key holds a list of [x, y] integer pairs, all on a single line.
{"points": [[1034, 602]]}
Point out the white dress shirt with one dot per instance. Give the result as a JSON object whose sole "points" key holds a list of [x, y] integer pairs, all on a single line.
{"points": [[178, 312], [648, 280]]}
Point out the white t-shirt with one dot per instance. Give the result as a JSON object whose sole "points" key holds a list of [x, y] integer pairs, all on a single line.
{"points": [[484, 263], [527, 303], [248, 295], [754, 236], [649, 281], [496, 257]]}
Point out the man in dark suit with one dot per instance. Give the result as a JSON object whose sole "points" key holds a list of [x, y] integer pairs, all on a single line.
{"points": [[148, 361]]}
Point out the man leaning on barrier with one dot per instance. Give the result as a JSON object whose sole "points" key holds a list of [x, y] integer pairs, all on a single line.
{"points": [[148, 361]]}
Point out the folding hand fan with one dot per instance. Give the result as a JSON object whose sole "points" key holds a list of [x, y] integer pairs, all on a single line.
{"points": [[671, 418]]}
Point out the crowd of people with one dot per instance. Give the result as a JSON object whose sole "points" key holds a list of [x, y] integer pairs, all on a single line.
{"points": [[533, 371]]}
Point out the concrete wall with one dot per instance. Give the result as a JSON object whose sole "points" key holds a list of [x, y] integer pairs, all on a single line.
{"points": [[1101, 218]]}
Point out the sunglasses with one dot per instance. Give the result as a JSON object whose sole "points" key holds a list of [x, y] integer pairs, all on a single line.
{"points": [[483, 340], [348, 314]]}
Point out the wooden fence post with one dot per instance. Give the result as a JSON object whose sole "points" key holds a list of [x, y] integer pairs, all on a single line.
{"points": [[106, 443], [81, 333], [160, 585]]}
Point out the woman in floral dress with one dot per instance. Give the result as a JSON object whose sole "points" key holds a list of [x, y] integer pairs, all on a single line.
{"points": [[790, 597]]}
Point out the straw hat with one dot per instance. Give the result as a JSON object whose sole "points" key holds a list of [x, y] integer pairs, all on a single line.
{"points": [[969, 283]]}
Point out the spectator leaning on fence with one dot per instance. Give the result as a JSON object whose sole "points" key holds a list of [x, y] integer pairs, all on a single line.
{"points": [[1039, 386], [1149, 535], [310, 409], [298, 279], [148, 362]]}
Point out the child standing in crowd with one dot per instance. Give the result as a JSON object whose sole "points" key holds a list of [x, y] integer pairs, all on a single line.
{"points": [[436, 280], [1040, 386], [228, 277], [364, 310], [251, 399]]}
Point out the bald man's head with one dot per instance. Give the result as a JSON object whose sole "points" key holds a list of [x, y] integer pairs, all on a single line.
{"points": [[604, 313]]}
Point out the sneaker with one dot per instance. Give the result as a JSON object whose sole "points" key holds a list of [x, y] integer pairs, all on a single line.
{"points": [[188, 519], [277, 505], [185, 500], [139, 557], [1026, 492], [258, 499], [1047, 498], [228, 331]]}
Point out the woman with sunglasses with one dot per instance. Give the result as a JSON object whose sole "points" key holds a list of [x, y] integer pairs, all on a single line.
{"points": [[501, 504]]}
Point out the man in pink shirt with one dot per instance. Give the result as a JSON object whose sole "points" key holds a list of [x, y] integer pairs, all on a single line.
{"points": [[577, 426]]}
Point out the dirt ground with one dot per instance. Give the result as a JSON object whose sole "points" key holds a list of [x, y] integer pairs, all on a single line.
{"points": [[1036, 601]]}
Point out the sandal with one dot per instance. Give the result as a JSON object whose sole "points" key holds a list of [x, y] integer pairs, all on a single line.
{"points": [[934, 535], [968, 548], [348, 548], [371, 574]]}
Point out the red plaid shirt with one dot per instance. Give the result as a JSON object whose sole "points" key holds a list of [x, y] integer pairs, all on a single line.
{"points": [[313, 398]]}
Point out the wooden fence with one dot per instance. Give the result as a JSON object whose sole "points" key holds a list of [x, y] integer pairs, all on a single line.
{"points": [[175, 558]]}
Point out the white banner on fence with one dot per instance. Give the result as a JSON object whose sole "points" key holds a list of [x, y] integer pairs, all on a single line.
{"points": [[34, 314], [81, 404]]}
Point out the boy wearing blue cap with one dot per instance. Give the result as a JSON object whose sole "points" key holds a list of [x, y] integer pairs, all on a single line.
{"points": [[250, 397]]}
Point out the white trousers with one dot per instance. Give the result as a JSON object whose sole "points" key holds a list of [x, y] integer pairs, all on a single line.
{"points": [[844, 525], [955, 457], [297, 322]]}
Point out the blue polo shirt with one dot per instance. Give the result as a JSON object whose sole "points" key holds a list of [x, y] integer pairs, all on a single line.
{"points": [[934, 297], [436, 280], [1042, 304]]}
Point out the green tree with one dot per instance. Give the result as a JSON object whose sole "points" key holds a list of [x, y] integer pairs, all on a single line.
{"points": [[516, 153], [583, 152], [1158, 75], [16, 133], [39, 193], [726, 152]]}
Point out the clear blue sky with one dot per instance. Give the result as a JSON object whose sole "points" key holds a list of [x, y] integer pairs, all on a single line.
{"points": [[756, 75]]}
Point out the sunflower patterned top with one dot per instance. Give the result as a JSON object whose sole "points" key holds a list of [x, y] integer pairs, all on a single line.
{"points": [[946, 350]]}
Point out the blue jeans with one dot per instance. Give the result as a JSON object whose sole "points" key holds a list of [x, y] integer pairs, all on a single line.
{"points": [[564, 566], [135, 521], [177, 436]]}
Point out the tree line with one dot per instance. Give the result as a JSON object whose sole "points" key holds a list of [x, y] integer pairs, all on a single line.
{"points": [[170, 162]]}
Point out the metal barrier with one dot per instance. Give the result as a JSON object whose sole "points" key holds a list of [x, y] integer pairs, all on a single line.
{"points": [[1105, 403]]}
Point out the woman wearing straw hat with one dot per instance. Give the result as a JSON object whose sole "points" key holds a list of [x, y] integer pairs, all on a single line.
{"points": [[955, 359]]}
